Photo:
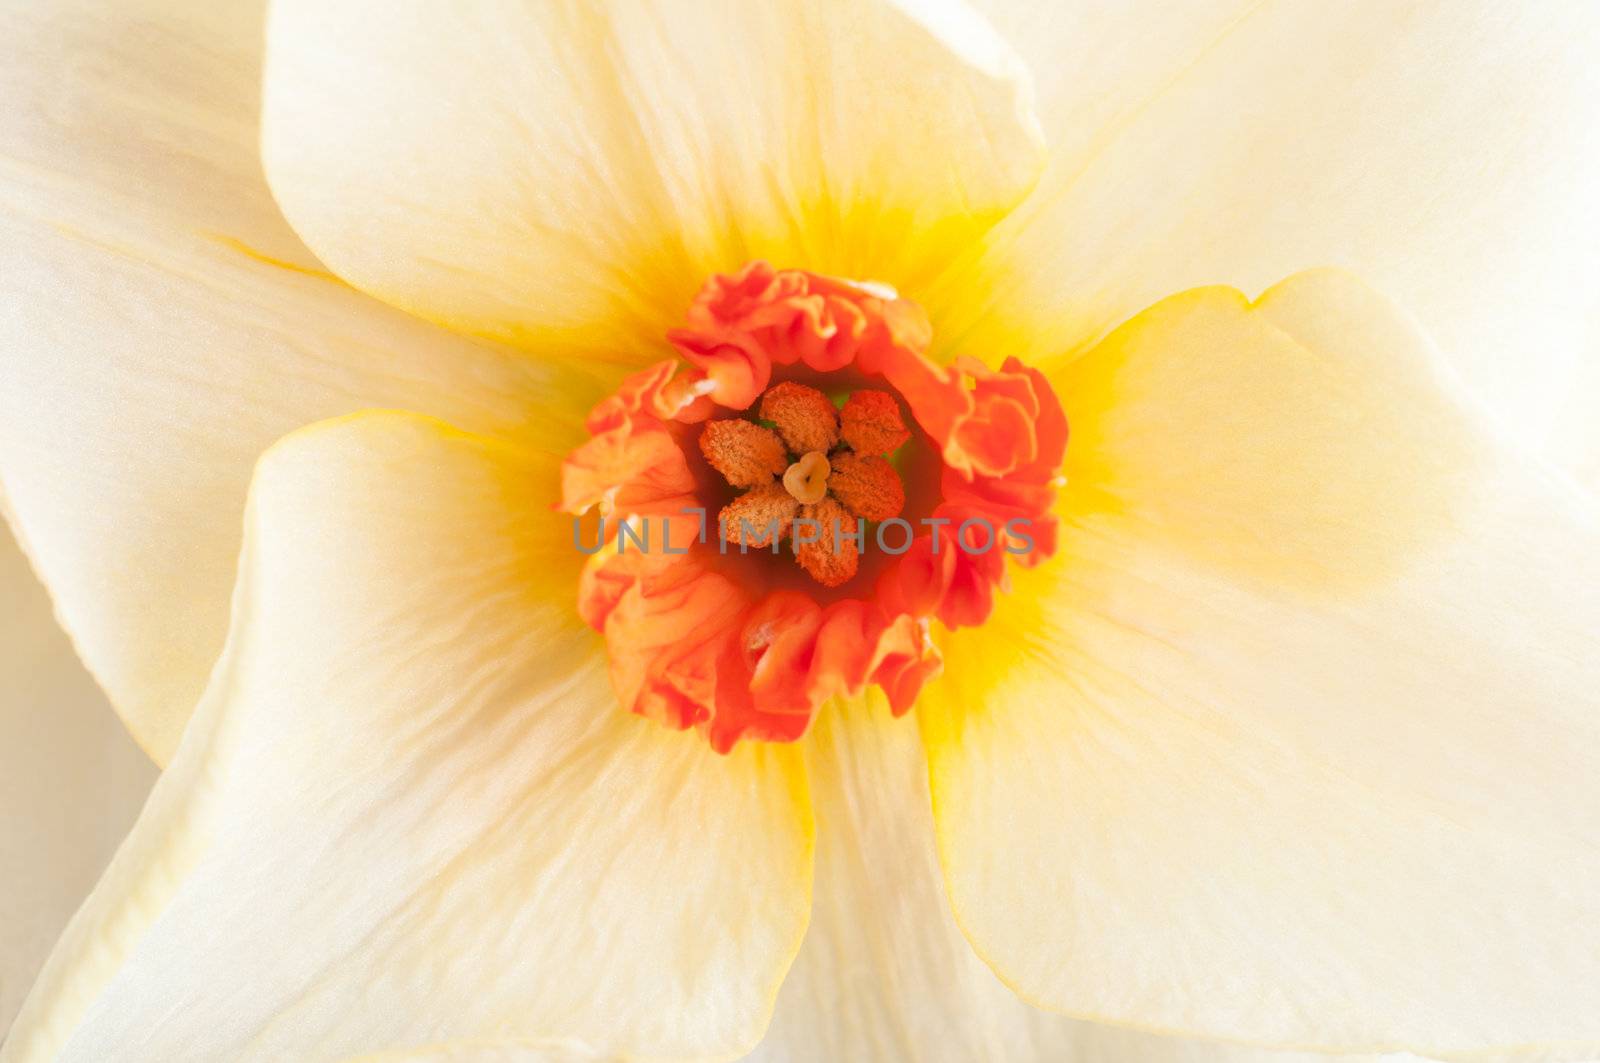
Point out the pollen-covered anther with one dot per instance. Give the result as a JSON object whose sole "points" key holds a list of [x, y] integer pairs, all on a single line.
{"points": [[867, 485], [825, 542], [804, 416], [759, 517], [745, 453], [872, 424], [807, 479]]}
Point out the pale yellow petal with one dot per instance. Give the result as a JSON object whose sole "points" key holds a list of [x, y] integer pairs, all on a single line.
{"points": [[70, 779], [1448, 152], [1096, 65], [571, 173], [1298, 740], [409, 810], [884, 974], [163, 326]]}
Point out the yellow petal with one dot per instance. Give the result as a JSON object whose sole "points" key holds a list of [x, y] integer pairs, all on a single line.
{"points": [[884, 974], [163, 327], [572, 173], [1449, 153], [70, 780], [1298, 741], [409, 810]]}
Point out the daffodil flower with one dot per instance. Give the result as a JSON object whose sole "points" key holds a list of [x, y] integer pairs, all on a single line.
{"points": [[1278, 726]]}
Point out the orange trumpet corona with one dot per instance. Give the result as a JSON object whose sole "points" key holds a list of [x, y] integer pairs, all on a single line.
{"points": [[800, 428]]}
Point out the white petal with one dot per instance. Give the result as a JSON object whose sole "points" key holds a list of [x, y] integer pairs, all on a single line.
{"points": [[884, 973], [1298, 742], [164, 326], [70, 779], [570, 174], [409, 810]]}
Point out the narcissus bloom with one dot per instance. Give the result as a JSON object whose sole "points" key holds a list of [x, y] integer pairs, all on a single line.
{"points": [[1253, 693]]}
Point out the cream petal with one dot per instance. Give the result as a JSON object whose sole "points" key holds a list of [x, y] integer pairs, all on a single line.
{"points": [[1297, 743], [1447, 152], [70, 779], [409, 810], [884, 974], [570, 174], [1094, 65], [164, 326]]}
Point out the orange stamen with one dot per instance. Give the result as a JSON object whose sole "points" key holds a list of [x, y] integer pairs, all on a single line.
{"points": [[867, 485], [803, 415], [745, 454], [758, 517], [871, 423], [833, 556]]}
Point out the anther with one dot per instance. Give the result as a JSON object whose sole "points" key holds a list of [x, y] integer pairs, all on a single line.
{"points": [[871, 423], [759, 517], [746, 454], [867, 485], [832, 556], [804, 416]]}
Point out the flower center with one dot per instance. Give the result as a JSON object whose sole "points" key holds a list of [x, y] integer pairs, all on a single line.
{"points": [[786, 512], [838, 478]]}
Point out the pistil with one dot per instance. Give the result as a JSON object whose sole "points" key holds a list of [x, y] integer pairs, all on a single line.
{"points": [[807, 479]]}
